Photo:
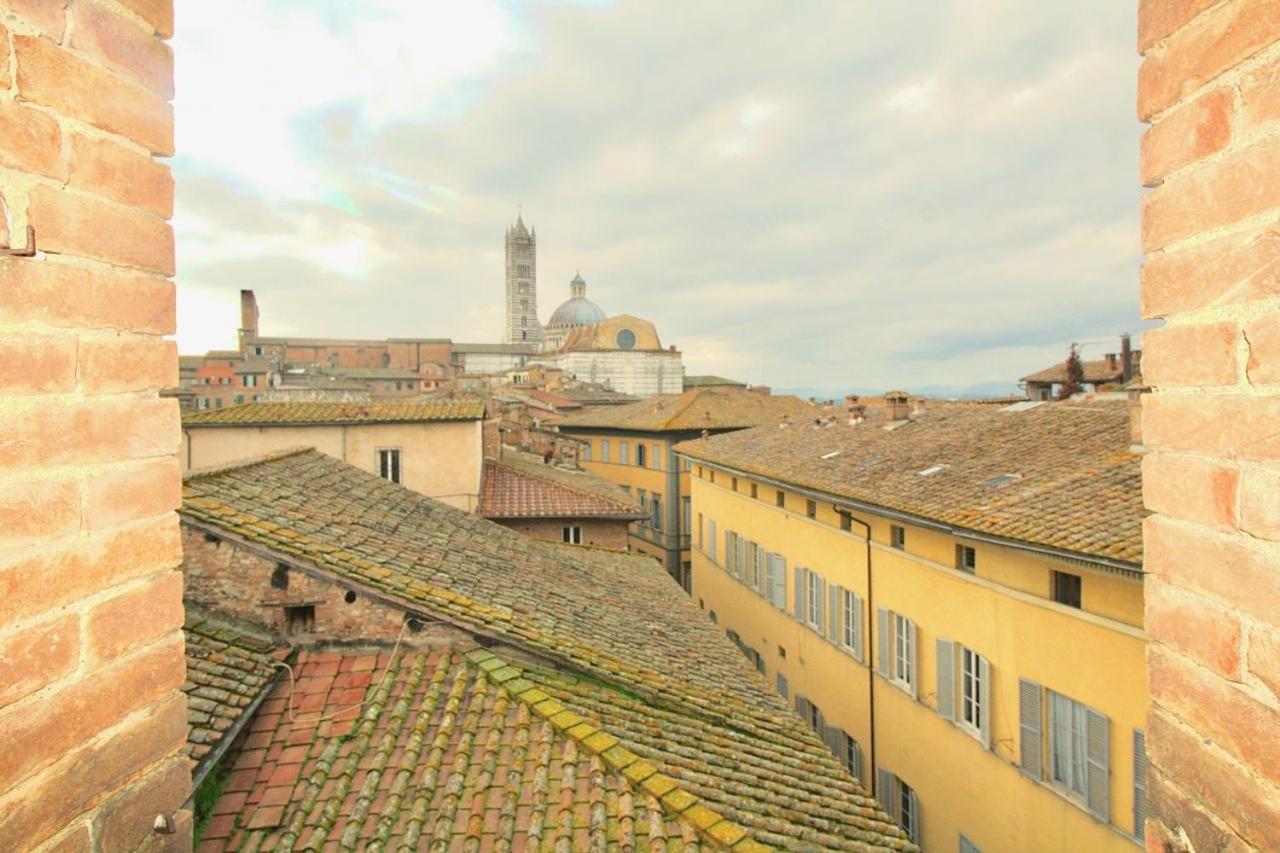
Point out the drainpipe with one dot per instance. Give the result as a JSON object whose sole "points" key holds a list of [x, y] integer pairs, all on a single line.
{"points": [[871, 669]]}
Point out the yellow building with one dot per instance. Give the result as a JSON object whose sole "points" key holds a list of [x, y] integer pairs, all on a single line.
{"points": [[954, 601], [634, 446]]}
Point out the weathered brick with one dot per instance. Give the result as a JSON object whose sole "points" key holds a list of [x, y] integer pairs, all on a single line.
{"points": [[76, 839], [73, 431], [38, 508], [133, 619], [1259, 101], [1158, 18], [157, 13], [1198, 53], [1264, 659], [1220, 565], [124, 822], [114, 365], [1198, 355], [1260, 502], [59, 575], [1203, 830], [91, 296], [30, 140], [1220, 710], [1236, 426], [76, 88], [1197, 627], [127, 492], [1243, 184], [1190, 133], [73, 224], [1250, 806], [121, 174], [47, 16], [38, 656], [1191, 488], [1227, 271], [123, 45], [39, 733], [1263, 338], [37, 364], [86, 775]]}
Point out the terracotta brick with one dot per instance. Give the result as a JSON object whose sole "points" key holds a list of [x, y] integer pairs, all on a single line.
{"points": [[1198, 53], [1220, 710], [1260, 101], [39, 733], [1264, 658], [1203, 830], [121, 174], [37, 364], [1243, 184], [1260, 502], [125, 821], [30, 140], [48, 16], [157, 13], [1263, 338], [133, 619], [1190, 133], [1158, 18], [77, 839], [1190, 488], [1190, 356], [44, 508], [1227, 271], [72, 224], [130, 491], [114, 365], [1197, 627], [91, 296], [85, 431], [76, 88], [1248, 805], [38, 656], [1237, 427], [86, 775], [60, 575], [121, 44], [1196, 558]]}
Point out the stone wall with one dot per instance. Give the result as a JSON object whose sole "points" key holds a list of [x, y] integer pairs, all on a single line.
{"points": [[92, 719], [1210, 87]]}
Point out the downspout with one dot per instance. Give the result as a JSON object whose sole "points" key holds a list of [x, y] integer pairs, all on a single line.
{"points": [[871, 669]]}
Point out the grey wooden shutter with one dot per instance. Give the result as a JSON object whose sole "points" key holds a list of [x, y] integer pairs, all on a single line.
{"points": [[779, 593], [916, 820], [857, 627], [834, 603], [857, 760], [764, 578], [883, 640], [914, 658], [820, 617], [1030, 719], [946, 668], [1098, 747], [1141, 811], [797, 607], [711, 539], [984, 700], [884, 791]]}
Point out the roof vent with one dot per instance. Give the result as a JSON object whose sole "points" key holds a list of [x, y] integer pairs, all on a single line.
{"points": [[931, 470], [1001, 480], [832, 455]]}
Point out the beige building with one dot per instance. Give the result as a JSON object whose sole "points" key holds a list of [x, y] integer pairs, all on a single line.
{"points": [[432, 448]]}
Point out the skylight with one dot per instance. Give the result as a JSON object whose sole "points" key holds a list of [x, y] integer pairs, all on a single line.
{"points": [[1002, 480], [931, 470], [832, 455]]}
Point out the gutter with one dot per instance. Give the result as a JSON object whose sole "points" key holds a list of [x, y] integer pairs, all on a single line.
{"points": [[871, 669]]}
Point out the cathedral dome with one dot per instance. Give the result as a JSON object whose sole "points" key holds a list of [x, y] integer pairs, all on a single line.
{"points": [[578, 310]]}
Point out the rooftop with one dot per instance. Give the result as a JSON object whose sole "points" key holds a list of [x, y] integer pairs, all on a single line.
{"points": [[281, 414], [1096, 371], [1058, 475], [607, 708], [708, 381], [521, 485], [699, 408]]}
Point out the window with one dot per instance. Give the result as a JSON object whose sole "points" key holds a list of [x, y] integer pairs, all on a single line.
{"points": [[899, 801], [699, 530], [731, 552], [641, 452], [966, 559], [604, 450], [300, 619], [755, 491], [257, 350], [845, 749], [814, 583], [624, 453], [964, 689], [898, 536], [775, 579], [586, 452], [239, 399], [781, 498], [896, 644], [1068, 726], [811, 509], [711, 538], [642, 498], [572, 534], [734, 484], [251, 380], [655, 459], [655, 504], [217, 403], [389, 465], [851, 622], [1078, 749], [810, 714], [686, 514], [1141, 811], [783, 688], [1066, 588], [846, 521]]}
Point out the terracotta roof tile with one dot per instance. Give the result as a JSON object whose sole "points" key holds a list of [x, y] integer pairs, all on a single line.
{"points": [[1073, 482], [698, 408], [522, 486], [255, 414]]}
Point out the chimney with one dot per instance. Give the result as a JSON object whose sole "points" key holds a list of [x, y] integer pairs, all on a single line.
{"points": [[491, 439], [1113, 363], [1126, 357], [897, 405]]}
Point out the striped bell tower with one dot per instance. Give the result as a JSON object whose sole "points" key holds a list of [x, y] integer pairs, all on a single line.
{"points": [[522, 285]]}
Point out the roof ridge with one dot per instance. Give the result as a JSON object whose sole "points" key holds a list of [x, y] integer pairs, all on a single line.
{"points": [[680, 804], [247, 462], [694, 394]]}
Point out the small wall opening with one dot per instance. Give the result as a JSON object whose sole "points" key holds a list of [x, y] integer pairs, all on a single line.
{"points": [[280, 577], [350, 597], [300, 619]]}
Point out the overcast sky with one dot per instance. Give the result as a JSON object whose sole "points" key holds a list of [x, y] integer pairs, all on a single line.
{"points": [[850, 194]]}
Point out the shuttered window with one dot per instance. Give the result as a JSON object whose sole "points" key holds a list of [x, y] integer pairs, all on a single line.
{"points": [[1030, 722], [778, 581], [896, 635], [851, 623], [899, 800], [1141, 811], [964, 689], [783, 688], [711, 538], [731, 552], [797, 592], [814, 609], [1079, 747]]}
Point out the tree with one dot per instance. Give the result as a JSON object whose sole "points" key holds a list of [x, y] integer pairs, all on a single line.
{"points": [[1075, 374]]}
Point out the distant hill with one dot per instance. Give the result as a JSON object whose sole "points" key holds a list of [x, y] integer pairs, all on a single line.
{"points": [[982, 389]]}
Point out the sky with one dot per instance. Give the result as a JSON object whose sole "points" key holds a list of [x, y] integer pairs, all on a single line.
{"points": [[823, 195]]}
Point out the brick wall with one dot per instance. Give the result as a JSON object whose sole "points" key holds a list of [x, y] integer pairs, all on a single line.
{"points": [[1209, 85], [602, 533], [91, 717]]}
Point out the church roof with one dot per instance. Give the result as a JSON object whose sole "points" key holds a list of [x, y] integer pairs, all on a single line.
{"points": [[578, 311]]}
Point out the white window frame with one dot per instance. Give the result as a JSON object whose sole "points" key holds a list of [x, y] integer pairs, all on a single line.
{"points": [[572, 534], [851, 619], [604, 450], [814, 611], [1069, 759], [903, 660], [391, 465], [970, 692], [586, 452], [624, 453]]}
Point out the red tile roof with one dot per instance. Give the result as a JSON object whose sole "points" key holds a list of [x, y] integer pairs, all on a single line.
{"points": [[286, 414], [521, 486]]}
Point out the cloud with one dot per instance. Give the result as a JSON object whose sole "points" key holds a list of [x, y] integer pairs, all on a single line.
{"points": [[828, 195]]}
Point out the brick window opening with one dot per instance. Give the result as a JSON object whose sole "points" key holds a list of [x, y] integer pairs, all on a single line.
{"points": [[1066, 589], [350, 597], [811, 509], [280, 577], [415, 625], [571, 535], [846, 521], [389, 465], [755, 491], [735, 484], [898, 537], [966, 559], [781, 498], [300, 619]]}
